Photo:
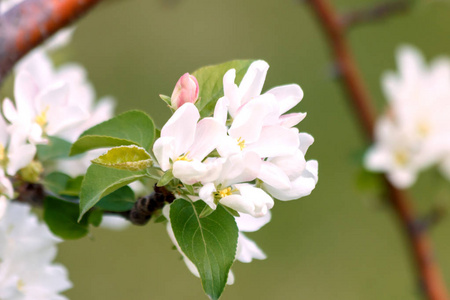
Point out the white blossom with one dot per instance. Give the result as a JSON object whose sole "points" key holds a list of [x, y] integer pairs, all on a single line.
{"points": [[27, 249], [414, 133]]}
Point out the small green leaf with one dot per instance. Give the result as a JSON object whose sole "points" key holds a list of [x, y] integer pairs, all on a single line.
{"points": [[166, 178], [101, 181], [73, 187], [231, 211], [189, 188], [209, 242], [210, 80], [61, 217], [207, 210], [54, 149], [130, 128], [166, 99], [56, 182], [130, 158], [120, 200], [95, 217]]}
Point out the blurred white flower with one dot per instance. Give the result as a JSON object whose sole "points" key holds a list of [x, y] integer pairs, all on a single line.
{"points": [[27, 249], [414, 133]]}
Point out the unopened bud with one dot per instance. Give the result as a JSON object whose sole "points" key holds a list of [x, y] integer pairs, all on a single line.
{"points": [[186, 91], [32, 172]]}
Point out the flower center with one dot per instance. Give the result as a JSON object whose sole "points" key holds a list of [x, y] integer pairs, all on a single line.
{"points": [[184, 157], [241, 143], [423, 128], [41, 119], [3, 157], [225, 192], [20, 285], [401, 157]]}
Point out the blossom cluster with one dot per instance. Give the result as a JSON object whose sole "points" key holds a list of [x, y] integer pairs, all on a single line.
{"points": [[48, 102], [414, 132], [243, 156]]}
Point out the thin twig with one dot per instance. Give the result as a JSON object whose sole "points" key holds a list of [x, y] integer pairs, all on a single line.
{"points": [[428, 271], [31, 22], [375, 13]]}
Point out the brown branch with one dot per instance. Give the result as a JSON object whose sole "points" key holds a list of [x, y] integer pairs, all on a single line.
{"points": [[375, 13], [31, 22], [144, 208], [361, 102]]}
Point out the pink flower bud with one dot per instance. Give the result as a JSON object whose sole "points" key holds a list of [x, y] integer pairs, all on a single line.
{"points": [[186, 91]]}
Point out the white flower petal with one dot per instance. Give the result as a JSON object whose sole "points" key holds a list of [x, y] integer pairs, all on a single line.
{"points": [[248, 223], [288, 96], [208, 134], [247, 250]]}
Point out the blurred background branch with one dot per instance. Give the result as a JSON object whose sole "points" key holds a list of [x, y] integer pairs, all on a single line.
{"points": [[31, 22], [375, 13], [334, 26]]}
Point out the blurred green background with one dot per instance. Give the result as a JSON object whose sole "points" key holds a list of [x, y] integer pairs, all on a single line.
{"points": [[338, 243]]}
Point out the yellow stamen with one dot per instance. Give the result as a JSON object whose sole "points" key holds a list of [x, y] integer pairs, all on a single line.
{"points": [[20, 285], [184, 157], [42, 118], [241, 143], [423, 129], [2, 153], [401, 157], [225, 192]]}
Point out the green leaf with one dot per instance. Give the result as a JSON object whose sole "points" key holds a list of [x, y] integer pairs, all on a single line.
{"points": [[207, 210], [166, 178], [95, 217], [210, 80], [210, 242], [130, 128], [56, 148], [56, 182], [101, 181], [73, 187], [130, 158], [61, 217], [120, 200], [166, 99]]}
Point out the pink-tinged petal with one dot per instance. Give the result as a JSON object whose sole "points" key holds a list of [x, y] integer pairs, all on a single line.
{"points": [[271, 174], [247, 250], [70, 117], [288, 96], [410, 62], [3, 132], [25, 90], [247, 223], [208, 134], [292, 165], [214, 169], [206, 194], [228, 146], [253, 201], [189, 172], [306, 140], [253, 81], [163, 148], [290, 120], [275, 141], [302, 186], [181, 127], [54, 96], [241, 167], [185, 91], [20, 158], [221, 110], [251, 117], [231, 91], [10, 112]]}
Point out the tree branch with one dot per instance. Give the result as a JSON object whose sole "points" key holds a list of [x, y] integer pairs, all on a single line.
{"points": [[375, 13], [31, 22], [429, 273]]}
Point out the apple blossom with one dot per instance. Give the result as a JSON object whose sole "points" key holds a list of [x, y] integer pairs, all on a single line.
{"points": [[414, 133]]}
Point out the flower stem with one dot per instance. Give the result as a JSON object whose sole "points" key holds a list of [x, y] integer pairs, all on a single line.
{"points": [[360, 99]]}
